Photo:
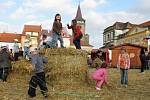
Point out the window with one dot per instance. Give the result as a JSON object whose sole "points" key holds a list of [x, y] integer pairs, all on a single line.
{"points": [[34, 33], [28, 33], [108, 37], [112, 35], [104, 38]]}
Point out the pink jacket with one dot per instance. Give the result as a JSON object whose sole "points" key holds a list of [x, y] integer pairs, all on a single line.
{"points": [[100, 74]]}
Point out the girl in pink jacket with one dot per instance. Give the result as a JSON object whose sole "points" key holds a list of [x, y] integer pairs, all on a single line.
{"points": [[100, 76]]}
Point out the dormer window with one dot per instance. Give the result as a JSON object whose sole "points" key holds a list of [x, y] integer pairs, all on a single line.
{"points": [[32, 33]]}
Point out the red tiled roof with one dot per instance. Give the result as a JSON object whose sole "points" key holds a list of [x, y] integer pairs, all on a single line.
{"points": [[128, 44], [32, 28], [121, 25], [9, 37], [145, 24]]}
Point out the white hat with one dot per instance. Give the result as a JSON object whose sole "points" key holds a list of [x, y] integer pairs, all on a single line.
{"points": [[32, 49], [3, 47], [16, 40]]}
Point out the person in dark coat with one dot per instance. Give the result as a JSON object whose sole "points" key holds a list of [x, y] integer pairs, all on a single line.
{"points": [[5, 63], [142, 59]]}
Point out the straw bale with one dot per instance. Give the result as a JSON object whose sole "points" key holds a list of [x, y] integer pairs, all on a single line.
{"points": [[62, 63]]}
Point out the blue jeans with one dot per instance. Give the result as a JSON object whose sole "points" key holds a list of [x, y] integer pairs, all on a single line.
{"points": [[55, 38], [26, 52], [124, 76], [77, 43]]}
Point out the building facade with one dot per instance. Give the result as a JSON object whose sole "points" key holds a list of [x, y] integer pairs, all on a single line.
{"points": [[111, 33], [136, 35], [7, 39]]}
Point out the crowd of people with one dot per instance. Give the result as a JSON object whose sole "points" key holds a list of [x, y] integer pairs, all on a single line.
{"points": [[101, 63], [36, 54], [98, 60]]}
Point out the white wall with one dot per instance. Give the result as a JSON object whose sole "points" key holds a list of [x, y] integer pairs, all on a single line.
{"points": [[124, 31], [66, 42], [10, 45], [118, 32]]}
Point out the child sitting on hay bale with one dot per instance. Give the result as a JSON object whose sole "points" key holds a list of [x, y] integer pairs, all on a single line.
{"points": [[38, 77], [100, 76]]}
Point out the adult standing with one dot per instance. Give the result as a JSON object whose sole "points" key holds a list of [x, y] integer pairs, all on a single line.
{"points": [[5, 63], [57, 28], [16, 50], [142, 59], [124, 65]]}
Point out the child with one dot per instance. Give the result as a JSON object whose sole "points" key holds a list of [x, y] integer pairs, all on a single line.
{"points": [[97, 61], [100, 76], [124, 65], [57, 28], [26, 47], [89, 61], [16, 50], [5, 63], [43, 43], [38, 78], [77, 34]]}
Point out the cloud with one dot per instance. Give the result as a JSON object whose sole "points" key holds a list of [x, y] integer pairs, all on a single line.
{"points": [[63, 6], [19, 13], [89, 4], [46, 24], [22, 14], [10, 28], [42, 13], [142, 8], [5, 5]]}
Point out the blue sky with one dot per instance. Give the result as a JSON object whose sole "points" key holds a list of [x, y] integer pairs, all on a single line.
{"points": [[99, 14]]}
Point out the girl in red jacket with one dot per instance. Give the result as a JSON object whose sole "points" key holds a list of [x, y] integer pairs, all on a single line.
{"points": [[77, 33]]}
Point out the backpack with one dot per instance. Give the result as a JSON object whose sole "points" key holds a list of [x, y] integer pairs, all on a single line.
{"points": [[81, 35]]}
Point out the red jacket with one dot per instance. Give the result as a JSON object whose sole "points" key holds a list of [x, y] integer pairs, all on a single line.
{"points": [[76, 31]]}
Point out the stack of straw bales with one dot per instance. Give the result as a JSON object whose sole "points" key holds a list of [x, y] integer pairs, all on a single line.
{"points": [[62, 63]]}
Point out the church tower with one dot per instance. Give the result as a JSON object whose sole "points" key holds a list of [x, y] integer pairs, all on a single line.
{"points": [[81, 22]]}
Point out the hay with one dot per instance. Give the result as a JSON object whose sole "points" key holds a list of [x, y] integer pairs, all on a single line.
{"points": [[138, 89], [62, 63]]}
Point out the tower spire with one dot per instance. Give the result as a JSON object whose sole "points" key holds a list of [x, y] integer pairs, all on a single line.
{"points": [[79, 14]]}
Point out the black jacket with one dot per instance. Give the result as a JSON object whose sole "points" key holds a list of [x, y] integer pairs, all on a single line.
{"points": [[5, 60]]}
